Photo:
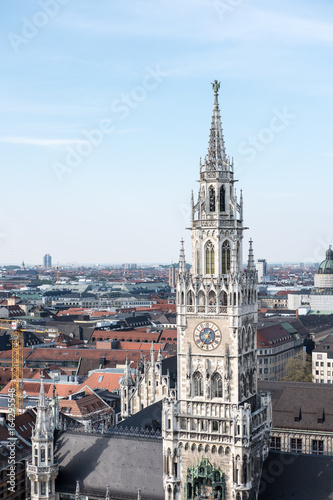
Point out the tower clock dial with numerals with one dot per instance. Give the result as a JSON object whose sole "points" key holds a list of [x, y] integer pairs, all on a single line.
{"points": [[207, 336]]}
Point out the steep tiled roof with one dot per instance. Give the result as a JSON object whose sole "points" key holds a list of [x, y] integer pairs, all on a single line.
{"points": [[272, 336], [301, 405]]}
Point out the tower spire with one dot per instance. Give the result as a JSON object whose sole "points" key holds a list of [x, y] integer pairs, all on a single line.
{"points": [[42, 465], [43, 428], [77, 490], [127, 380], [216, 158], [250, 263], [181, 257]]}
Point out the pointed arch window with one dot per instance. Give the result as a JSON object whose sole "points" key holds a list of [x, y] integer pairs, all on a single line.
{"points": [[225, 257], [217, 386], [210, 258], [211, 199], [197, 384], [222, 199]]}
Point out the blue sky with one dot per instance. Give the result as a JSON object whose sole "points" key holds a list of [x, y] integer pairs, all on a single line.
{"points": [[106, 109]]}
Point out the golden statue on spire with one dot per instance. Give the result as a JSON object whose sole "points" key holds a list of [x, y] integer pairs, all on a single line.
{"points": [[216, 86]]}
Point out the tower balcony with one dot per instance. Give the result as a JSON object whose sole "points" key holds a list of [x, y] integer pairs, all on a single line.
{"points": [[207, 309], [223, 175], [51, 470]]}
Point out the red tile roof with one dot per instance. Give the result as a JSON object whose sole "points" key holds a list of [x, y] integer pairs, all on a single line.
{"points": [[103, 380]]}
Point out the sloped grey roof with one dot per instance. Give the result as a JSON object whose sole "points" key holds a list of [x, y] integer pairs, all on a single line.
{"points": [[306, 400], [306, 477], [148, 418], [126, 464]]}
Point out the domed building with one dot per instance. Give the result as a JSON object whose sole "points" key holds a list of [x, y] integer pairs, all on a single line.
{"points": [[320, 298], [324, 279]]}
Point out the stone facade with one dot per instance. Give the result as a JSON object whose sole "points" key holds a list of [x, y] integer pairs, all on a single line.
{"points": [[42, 470], [218, 419], [145, 386]]}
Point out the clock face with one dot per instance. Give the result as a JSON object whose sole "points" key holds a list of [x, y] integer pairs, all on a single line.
{"points": [[207, 336]]}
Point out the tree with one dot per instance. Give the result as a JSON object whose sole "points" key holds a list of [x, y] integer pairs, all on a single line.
{"points": [[298, 369]]}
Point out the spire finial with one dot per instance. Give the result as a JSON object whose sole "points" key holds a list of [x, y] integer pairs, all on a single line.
{"points": [[107, 496], [216, 86]]}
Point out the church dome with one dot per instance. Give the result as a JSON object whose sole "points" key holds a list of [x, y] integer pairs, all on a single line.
{"points": [[326, 267]]}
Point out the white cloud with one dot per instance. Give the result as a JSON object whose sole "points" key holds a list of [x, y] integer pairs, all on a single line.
{"points": [[35, 141]]}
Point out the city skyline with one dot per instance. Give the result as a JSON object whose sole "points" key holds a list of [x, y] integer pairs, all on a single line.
{"points": [[107, 112]]}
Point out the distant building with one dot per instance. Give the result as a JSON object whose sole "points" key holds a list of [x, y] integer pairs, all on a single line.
{"points": [[321, 297], [47, 260], [262, 270], [172, 276], [302, 418], [276, 344], [322, 361]]}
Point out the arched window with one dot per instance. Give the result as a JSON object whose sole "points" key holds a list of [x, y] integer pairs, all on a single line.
{"points": [[211, 199], [212, 298], [201, 298], [197, 384], [190, 298], [225, 257], [217, 386], [223, 299], [222, 199], [210, 258]]}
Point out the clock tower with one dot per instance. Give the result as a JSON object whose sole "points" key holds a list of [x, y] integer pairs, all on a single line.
{"points": [[216, 432]]}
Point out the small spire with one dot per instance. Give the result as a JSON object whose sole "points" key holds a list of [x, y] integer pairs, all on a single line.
{"points": [[251, 263], [182, 257], [139, 495], [77, 490], [159, 359], [41, 403], [107, 496], [127, 379], [152, 354], [241, 205]]}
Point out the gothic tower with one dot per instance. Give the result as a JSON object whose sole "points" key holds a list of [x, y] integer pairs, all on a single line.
{"points": [[42, 471], [216, 433]]}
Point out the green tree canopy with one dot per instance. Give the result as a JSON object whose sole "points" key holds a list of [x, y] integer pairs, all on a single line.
{"points": [[298, 369]]}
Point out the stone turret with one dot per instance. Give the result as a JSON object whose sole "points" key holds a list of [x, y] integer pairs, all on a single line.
{"points": [[42, 471]]}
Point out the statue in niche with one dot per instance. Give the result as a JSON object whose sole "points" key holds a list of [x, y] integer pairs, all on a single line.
{"points": [[227, 388], [208, 386], [241, 388]]}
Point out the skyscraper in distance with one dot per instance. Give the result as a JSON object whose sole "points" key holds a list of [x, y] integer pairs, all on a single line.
{"points": [[47, 260]]}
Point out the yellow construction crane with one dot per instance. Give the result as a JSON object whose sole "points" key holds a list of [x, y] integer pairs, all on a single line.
{"points": [[17, 360], [17, 365]]}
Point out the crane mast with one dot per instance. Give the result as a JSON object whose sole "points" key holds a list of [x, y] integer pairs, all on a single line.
{"points": [[17, 366]]}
